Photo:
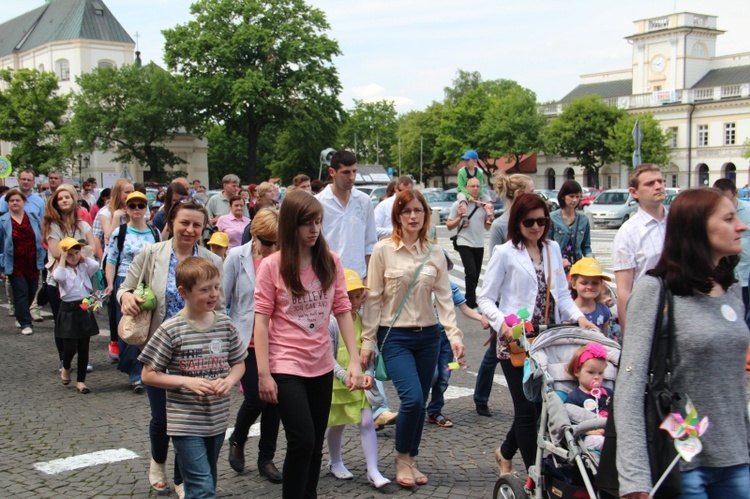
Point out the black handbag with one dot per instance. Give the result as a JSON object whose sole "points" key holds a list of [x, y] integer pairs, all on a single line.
{"points": [[42, 296], [658, 405]]}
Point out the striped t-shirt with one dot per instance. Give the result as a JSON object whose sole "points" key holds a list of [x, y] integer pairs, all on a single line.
{"points": [[179, 348]]}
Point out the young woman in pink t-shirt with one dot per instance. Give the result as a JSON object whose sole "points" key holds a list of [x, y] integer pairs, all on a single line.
{"points": [[296, 290]]}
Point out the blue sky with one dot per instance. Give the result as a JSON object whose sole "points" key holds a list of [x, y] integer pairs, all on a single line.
{"points": [[408, 50]]}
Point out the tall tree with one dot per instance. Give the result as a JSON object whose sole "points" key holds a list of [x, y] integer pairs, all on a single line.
{"points": [[654, 148], [254, 63], [418, 131], [463, 82], [374, 124], [32, 118], [132, 110], [581, 132]]}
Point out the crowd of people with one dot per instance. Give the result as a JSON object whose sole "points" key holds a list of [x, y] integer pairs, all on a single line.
{"points": [[310, 304]]}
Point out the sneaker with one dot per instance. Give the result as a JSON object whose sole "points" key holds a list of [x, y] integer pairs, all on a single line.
{"points": [[18, 325], [27, 331], [138, 387], [89, 367], [36, 315], [114, 351]]}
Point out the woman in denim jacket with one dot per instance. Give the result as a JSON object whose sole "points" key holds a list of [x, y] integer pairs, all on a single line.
{"points": [[570, 227]]}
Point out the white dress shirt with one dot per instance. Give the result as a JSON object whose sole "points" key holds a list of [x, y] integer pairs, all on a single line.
{"points": [[639, 243], [383, 220]]}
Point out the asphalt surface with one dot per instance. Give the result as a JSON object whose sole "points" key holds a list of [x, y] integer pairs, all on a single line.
{"points": [[42, 421]]}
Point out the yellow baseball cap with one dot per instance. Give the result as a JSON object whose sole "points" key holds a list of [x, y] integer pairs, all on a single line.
{"points": [[353, 281], [136, 195], [219, 239], [588, 267], [69, 243]]}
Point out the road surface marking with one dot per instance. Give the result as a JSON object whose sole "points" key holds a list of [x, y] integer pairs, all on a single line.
{"points": [[85, 460], [254, 431]]}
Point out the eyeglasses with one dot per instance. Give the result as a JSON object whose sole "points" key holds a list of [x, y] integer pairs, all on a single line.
{"points": [[408, 213], [137, 206], [529, 222], [265, 242]]}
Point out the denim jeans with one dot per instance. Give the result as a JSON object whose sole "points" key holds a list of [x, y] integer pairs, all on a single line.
{"points": [[23, 294], [128, 362], [410, 356], [197, 457], [715, 483], [157, 428], [486, 374], [441, 377]]}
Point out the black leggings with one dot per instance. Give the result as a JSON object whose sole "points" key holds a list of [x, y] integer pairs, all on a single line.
{"points": [[54, 303], [522, 433], [81, 347], [471, 258], [304, 404]]}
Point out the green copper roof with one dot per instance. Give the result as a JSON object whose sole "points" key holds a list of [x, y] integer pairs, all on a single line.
{"points": [[61, 20]]}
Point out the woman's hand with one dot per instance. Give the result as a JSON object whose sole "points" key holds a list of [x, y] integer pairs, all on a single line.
{"points": [[566, 263], [117, 216], [367, 382], [267, 389], [458, 350], [129, 304], [587, 324], [108, 290], [506, 331], [366, 358], [354, 375]]}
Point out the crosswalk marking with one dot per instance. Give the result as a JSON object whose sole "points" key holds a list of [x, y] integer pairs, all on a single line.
{"points": [[57, 466]]}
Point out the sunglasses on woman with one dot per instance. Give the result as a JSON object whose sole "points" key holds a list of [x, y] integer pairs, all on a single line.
{"points": [[137, 206], [529, 222], [265, 242]]}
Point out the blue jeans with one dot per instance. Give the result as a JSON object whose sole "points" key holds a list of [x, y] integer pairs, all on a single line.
{"points": [[197, 457], [128, 362], [486, 374], [441, 377], [410, 356], [718, 483], [23, 290]]}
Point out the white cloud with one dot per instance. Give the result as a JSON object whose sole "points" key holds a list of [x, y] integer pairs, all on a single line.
{"points": [[368, 91]]}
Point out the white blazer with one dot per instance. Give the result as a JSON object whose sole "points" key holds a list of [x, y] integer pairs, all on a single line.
{"points": [[239, 287], [510, 280]]}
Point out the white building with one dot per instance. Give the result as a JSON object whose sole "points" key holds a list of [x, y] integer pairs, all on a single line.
{"points": [[71, 37], [702, 98]]}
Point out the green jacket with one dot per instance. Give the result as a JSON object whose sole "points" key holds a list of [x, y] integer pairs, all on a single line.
{"points": [[463, 178]]}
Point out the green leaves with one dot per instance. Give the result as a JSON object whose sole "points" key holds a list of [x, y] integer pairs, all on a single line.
{"points": [[654, 148], [375, 126]]}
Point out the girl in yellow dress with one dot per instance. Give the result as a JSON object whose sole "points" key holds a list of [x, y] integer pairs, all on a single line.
{"points": [[351, 406]]}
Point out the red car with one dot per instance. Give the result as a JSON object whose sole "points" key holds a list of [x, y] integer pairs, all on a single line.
{"points": [[589, 194]]}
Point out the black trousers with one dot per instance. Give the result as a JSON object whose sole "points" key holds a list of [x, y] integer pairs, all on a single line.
{"points": [[81, 347], [471, 259], [304, 404], [522, 433], [252, 407]]}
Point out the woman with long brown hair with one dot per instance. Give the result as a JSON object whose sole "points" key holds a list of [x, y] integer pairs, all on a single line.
{"points": [[113, 214], [296, 291]]}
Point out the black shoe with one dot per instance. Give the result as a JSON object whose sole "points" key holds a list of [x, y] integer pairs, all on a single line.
{"points": [[236, 456], [271, 472], [483, 410]]}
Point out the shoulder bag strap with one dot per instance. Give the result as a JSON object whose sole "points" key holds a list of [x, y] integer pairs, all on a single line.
{"points": [[662, 345], [549, 282], [406, 295], [461, 225]]}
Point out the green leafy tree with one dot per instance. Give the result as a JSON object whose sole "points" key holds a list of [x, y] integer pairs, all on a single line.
{"points": [[32, 119], [254, 63], [132, 110], [374, 124], [511, 126], [464, 82], [581, 132], [654, 148], [418, 131]]}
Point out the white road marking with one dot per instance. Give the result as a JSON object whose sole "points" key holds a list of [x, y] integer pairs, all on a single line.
{"points": [[455, 392], [254, 432], [85, 460], [498, 378]]}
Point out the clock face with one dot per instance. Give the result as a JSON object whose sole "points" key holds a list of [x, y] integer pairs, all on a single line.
{"points": [[658, 63]]}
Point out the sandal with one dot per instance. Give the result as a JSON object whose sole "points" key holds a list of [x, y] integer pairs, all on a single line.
{"points": [[419, 477], [440, 420], [506, 467], [83, 389], [405, 478], [65, 379], [157, 475]]}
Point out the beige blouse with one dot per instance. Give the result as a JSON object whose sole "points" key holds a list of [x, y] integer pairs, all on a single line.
{"points": [[391, 269]]}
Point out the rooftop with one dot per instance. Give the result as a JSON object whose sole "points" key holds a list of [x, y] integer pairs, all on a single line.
{"points": [[725, 76], [605, 90]]}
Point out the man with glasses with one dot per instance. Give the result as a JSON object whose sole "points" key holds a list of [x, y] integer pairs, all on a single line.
{"points": [[470, 222]]}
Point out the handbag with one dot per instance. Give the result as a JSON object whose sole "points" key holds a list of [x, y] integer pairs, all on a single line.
{"points": [[517, 352], [42, 296], [381, 372], [134, 330], [658, 404]]}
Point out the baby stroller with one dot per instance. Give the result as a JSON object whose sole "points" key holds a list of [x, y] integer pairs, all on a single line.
{"points": [[564, 468]]}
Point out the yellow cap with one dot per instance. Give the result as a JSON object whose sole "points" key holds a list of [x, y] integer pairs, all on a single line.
{"points": [[136, 195], [219, 239], [68, 243], [353, 281], [588, 267]]}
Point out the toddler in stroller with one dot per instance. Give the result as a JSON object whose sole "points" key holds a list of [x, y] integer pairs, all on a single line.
{"points": [[563, 465]]}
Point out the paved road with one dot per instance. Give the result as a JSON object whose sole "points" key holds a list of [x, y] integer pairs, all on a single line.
{"points": [[42, 421]]}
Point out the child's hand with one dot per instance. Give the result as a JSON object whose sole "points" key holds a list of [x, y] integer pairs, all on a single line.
{"points": [[485, 322], [596, 432], [199, 386], [367, 382], [221, 387]]}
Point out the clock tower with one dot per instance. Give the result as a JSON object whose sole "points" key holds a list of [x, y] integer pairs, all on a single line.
{"points": [[672, 52]]}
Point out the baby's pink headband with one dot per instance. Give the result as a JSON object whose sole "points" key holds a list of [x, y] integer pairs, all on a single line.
{"points": [[593, 351]]}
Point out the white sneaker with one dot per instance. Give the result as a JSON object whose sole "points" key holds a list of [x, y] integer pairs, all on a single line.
{"points": [[27, 331], [36, 315]]}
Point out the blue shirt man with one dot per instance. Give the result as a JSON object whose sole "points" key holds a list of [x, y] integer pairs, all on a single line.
{"points": [[34, 202]]}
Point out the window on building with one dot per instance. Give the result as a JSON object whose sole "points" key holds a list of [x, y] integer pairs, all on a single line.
{"points": [[62, 69], [106, 64], [702, 135], [672, 134], [674, 181], [729, 134]]}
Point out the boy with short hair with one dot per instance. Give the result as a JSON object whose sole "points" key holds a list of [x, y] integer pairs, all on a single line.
{"points": [[197, 356]]}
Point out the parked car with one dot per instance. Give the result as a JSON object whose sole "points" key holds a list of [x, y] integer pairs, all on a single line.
{"points": [[669, 199], [612, 208], [588, 196], [498, 203], [375, 191], [444, 203], [551, 200]]}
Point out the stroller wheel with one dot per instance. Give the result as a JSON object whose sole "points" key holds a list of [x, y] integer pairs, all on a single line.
{"points": [[509, 487]]}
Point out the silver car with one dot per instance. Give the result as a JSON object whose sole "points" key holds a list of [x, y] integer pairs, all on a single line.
{"points": [[612, 208]]}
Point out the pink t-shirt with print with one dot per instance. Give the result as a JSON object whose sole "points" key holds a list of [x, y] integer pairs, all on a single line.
{"points": [[298, 340]]}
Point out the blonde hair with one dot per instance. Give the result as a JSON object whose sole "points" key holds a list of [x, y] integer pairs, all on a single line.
{"points": [[263, 188], [115, 203], [266, 224], [572, 285], [510, 186]]}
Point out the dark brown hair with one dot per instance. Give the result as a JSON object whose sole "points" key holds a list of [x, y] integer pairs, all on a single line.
{"points": [[568, 187], [300, 207], [522, 206], [190, 205], [15, 192], [686, 264]]}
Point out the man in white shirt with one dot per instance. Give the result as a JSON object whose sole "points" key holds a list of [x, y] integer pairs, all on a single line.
{"points": [[384, 209], [349, 220], [639, 242]]}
